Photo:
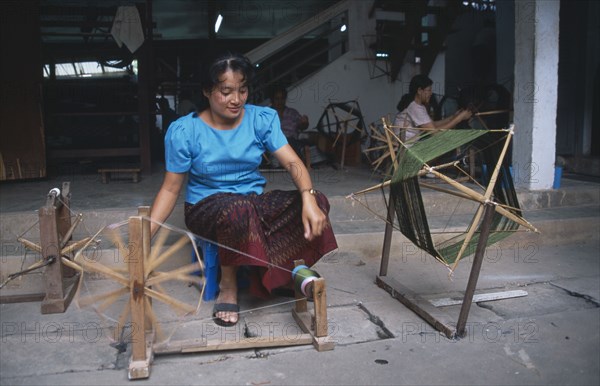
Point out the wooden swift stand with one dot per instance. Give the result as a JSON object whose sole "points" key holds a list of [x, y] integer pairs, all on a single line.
{"points": [[55, 245], [485, 213], [143, 334], [437, 318]]}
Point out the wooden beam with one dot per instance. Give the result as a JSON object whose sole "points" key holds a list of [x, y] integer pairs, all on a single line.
{"points": [[475, 269], [437, 318], [139, 366], [203, 345]]}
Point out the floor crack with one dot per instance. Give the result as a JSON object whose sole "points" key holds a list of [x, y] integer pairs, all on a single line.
{"points": [[587, 298], [383, 331]]}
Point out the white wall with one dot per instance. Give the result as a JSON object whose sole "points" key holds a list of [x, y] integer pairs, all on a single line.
{"points": [[346, 79], [349, 77]]}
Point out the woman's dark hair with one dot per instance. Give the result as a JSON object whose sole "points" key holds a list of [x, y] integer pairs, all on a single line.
{"points": [[417, 82], [229, 61]]}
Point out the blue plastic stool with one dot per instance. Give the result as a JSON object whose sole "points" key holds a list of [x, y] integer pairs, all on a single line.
{"points": [[210, 258]]}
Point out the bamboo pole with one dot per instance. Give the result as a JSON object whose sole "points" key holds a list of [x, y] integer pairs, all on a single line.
{"points": [[390, 145], [76, 245], [448, 191], [491, 112], [486, 197]]}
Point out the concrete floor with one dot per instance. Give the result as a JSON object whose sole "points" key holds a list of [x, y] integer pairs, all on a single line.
{"points": [[549, 336]]}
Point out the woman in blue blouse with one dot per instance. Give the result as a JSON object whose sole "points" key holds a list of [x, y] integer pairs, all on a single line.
{"points": [[219, 150]]}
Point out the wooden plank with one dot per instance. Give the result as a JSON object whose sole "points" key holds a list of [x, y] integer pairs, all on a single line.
{"points": [[203, 345], [304, 320], [443, 302], [22, 298], [437, 318]]}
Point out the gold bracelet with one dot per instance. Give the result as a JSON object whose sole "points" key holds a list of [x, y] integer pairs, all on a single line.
{"points": [[311, 191]]}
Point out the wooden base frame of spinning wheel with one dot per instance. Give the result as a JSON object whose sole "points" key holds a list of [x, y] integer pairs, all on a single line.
{"points": [[139, 308], [313, 324]]}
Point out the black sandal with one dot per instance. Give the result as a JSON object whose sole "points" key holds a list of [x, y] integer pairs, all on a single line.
{"points": [[225, 307]]}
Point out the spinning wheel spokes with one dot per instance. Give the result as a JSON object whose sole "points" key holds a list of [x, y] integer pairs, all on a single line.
{"points": [[139, 273]]}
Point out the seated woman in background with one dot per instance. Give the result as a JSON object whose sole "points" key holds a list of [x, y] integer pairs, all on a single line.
{"points": [[219, 150], [292, 122], [413, 113]]}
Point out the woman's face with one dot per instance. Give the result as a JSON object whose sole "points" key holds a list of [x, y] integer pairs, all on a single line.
{"points": [[228, 97], [278, 101], [424, 94]]}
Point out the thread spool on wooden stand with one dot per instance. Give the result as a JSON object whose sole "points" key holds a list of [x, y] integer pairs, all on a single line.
{"points": [[303, 280]]}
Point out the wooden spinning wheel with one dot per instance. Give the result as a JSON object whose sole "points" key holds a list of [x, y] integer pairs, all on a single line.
{"points": [[139, 289], [145, 275]]}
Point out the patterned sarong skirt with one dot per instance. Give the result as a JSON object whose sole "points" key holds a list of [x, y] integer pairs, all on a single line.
{"points": [[267, 229]]}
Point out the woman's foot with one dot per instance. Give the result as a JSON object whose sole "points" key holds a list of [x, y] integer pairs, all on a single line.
{"points": [[226, 310]]}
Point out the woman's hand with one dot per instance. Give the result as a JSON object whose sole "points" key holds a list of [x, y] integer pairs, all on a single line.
{"points": [[464, 114], [313, 218]]}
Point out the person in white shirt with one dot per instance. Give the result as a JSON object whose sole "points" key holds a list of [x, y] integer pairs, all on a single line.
{"points": [[413, 111]]}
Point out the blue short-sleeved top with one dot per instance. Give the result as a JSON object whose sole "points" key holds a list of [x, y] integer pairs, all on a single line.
{"points": [[222, 160]]}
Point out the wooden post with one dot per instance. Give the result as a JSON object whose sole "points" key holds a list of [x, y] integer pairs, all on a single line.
{"points": [[387, 238], [54, 218], [139, 365], [64, 224], [145, 56], [144, 211], [320, 300], [344, 139], [475, 269], [49, 241]]}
